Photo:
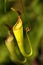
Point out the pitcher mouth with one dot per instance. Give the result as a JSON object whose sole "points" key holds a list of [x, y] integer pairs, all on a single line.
{"points": [[18, 24], [9, 39]]}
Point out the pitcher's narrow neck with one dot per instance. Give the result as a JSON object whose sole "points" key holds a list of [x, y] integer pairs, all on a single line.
{"points": [[18, 24]]}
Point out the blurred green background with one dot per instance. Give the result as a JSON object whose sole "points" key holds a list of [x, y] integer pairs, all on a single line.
{"points": [[31, 15]]}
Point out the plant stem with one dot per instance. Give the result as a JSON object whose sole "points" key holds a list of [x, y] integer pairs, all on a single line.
{"points": [[5, 6], [23, 9]]}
